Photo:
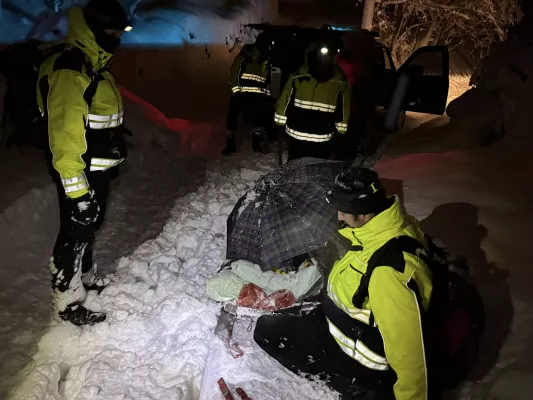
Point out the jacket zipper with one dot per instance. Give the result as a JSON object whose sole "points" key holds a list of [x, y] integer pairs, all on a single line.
{"points": [[355, 269], [352, 267]]}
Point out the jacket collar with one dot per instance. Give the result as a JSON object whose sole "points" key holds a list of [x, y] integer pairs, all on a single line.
{"points": [[387, 223], [81, 36]]}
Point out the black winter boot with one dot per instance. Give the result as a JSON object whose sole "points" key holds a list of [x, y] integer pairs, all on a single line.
{"points": [[231, 144], [260, 141]]}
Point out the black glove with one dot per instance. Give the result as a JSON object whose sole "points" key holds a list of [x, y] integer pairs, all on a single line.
{"points": [[84, 210]]}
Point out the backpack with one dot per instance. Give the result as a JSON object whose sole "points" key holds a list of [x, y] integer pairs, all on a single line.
{"points": [[455, 320], [20, 64]]}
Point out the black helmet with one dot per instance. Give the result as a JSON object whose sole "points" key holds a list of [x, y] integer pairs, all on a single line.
{"points": [[263, 43], [321, 60], [106, 14], [358, 191]]}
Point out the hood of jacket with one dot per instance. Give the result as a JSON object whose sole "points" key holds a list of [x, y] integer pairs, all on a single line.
{"points": [[81, 36], [338, 74], [251, 51]]}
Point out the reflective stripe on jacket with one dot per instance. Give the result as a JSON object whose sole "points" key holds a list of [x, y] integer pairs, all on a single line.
{"points": [[248, 73], [312, 110], [387, 331], [68, 84]]}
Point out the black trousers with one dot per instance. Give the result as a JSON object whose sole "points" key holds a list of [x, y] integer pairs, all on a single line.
{"points": [[302, 148], [75, 242], [301, 342], [257, 109]]}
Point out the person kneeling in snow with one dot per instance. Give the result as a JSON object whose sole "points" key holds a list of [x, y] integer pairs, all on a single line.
{"points": [[367, 339]]}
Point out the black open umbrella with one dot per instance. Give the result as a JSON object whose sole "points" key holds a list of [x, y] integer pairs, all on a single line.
{"points": [[285, 215]]}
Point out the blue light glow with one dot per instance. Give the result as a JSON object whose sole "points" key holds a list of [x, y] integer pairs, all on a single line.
{"points": [[341, 28], [158, 27]]}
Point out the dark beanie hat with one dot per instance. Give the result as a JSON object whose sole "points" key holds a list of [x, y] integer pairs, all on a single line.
{"points": [[358, 191], [106, 14]]}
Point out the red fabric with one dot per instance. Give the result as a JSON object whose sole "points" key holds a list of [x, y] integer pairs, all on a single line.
{"points": [[253, 296], [350, 69], [457, 328], [196, 138]]}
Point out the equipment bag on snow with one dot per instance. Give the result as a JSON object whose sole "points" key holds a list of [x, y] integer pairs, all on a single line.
{"points": [[20, 64], [455, 320]]}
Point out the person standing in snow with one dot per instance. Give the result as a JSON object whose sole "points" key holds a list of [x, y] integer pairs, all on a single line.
{"points": [[314, 104], [250, 83], [82, 106], [367, 336]]}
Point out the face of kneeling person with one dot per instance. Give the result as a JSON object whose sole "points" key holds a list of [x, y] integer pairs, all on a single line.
{"points": [[354, 221]]}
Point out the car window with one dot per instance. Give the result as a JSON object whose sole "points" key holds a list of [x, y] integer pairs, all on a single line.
{"points": [[430, 62]]}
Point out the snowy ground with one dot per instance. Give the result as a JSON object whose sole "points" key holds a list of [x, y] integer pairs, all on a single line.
{"points": [[158, 342], [139, 208]]}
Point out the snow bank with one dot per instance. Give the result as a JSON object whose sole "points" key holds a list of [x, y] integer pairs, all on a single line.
{"points": [[501, 97], [198, 22], [209, 20], [179, 61]]}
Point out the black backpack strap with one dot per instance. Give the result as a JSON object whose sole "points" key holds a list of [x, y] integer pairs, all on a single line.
{"points": [[391, 255], [74, 58]]}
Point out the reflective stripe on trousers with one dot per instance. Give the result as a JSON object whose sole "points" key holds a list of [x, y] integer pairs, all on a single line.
{"points": [[280, 119], [358, 351], [309, 137], [103, 164], [74, 184], [106, 121], [248, 89], [341, 127]]}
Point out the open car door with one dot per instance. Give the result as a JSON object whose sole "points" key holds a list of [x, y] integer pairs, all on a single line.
{"points": [[427, 71], [386, 82]]}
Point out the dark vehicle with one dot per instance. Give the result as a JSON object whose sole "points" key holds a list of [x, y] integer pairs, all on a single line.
{"points": [[419, 85]]}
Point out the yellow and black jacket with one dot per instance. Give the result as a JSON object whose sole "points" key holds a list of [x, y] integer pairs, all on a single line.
{"points": [[81, 102], [312, 110], [386, 331], [249, 73]]}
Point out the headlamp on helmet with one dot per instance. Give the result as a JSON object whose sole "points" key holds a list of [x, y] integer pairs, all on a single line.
{"points": [[107, 20]]}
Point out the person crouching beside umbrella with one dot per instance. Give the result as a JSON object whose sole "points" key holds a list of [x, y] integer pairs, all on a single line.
{"points": [[367, 340]]}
